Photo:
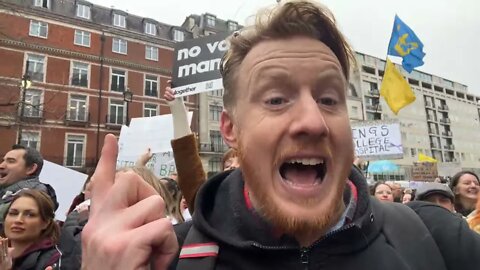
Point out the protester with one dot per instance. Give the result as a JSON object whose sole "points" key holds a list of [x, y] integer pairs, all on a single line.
{"points": [[408, 196], [175, 207], [437, 193], [465, 186], [19, 170], [82, 199], [382, 191], [31, 228], [296, 202], [230, 160]]}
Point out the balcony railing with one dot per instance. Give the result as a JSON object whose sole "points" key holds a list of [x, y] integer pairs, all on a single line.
{"points": [[434, 145], [447, 133], [429, 104], [443, 107], [374, 92], [430, 118], [374, 107], [74, 117], [445, 120], [214, 148]]}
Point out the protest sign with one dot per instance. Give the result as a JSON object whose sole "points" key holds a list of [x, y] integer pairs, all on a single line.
{"points": [[377, 140], [161, 164], [67, 183], [424, 171], [147, 132], [197, 65]]}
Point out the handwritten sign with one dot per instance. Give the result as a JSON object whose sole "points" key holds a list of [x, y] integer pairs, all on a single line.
{"points": [[197, 65], [377, 140], [161, 164], [424, 171]]}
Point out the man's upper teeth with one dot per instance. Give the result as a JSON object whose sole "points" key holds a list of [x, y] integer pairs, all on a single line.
{"points": [[306, 161]]}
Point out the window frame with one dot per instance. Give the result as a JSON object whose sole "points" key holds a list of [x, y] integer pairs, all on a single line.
{"points": [[119, 20], [119, 90], [119, 41], [87, 69], [82, 37], [153, 53], [116, 103], [75, 97], [150, 110], [39, 137], [35, 62], [74, 158], [83, 8], [32, 22], [150, 28], [146, 81]]}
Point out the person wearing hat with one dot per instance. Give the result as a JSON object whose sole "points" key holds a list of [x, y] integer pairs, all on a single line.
{"points": [[438, 194]]}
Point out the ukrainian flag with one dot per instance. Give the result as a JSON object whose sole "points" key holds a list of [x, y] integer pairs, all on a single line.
{"points": [[406, 44]]}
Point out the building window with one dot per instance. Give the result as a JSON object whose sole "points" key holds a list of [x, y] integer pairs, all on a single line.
{"points": [[151, 86], [118, 80], [210, 21], [150, 110], [30, 139], [38, 29], [83, 11], [151, 53], [33, 103], [232, 26], [413, 152], [178, 35], [36, 66], [215, 165], [82, 38], [79, 74], [116, 112], [42, 3], [216, 140], [215, 112], [119, 46], [75, 150], [217, 93], [77, 110], [150, 29], [119, 20]]}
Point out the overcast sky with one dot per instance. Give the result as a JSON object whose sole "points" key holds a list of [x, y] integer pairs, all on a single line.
{"points": [[449, 29]]}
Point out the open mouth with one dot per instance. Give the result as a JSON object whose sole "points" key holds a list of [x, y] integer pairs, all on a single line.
{"points": [[304, 173], [3, 174]]}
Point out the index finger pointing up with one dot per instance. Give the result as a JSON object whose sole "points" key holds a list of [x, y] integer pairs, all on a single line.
{"points": [[104, 175]]}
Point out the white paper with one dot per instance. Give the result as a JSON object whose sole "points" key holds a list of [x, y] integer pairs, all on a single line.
{"points": [[67, 183]]}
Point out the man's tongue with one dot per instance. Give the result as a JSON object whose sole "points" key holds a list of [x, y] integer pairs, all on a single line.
{"points": [[301, 175]]}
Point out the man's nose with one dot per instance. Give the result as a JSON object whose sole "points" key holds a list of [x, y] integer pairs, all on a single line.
{"points": [[309, 119]]}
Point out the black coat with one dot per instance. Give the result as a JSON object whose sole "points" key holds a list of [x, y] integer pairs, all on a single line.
{"points": [[383, 236], [71, 241]]}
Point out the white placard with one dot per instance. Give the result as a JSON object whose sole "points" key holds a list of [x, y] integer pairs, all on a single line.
{"points": [[147, 132], [377, 140], [162, 164], [67, 183]]}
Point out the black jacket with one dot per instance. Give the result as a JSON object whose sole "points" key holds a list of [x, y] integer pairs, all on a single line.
{"points": [[382, 235], [38, 257], [71, 241]]}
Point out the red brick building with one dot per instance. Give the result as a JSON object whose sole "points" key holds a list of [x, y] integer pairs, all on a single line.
{"points": [[81, 59]]}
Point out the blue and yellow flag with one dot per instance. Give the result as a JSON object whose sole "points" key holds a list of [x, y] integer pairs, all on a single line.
{"points": [[395, 89], [406, 44]]}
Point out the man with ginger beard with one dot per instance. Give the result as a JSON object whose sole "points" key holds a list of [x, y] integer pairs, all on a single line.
{"points": [[296, 202]]}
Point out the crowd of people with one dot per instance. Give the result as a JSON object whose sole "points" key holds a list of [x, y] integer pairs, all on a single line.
{"points": [[289, 197]]}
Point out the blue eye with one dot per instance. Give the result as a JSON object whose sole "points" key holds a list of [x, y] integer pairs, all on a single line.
{"points": [[275, 101]]}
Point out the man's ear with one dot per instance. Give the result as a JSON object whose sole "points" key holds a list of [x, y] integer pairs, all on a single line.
{"points": [[228, 129], [32, 169]]}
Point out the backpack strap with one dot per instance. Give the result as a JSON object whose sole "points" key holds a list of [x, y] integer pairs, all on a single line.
{"points": [[198, 252]]}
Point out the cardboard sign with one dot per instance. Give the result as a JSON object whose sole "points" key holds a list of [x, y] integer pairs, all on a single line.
{"points": [[197, 65], [424, 171], [161, 164], [67, 183], [377, 140]]}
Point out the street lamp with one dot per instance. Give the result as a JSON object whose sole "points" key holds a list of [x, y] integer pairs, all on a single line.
{"points": [[127, 97], [25, 84]]}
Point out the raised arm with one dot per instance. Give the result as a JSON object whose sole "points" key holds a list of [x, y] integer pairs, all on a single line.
{"points": [[190, 171]]}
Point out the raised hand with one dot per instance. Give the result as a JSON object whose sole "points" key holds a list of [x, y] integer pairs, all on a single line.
{"points": [[127, 228], [144, 158], [169, 96]]}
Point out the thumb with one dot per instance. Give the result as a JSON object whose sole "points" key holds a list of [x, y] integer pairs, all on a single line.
{"points": [[49, 268]]}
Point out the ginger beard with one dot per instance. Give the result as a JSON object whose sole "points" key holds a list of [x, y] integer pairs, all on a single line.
{"points": [[326, 210]]}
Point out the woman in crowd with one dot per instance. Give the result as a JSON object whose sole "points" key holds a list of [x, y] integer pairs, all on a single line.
{"points": [[31, 229], [465, 186], [407, 196], [382, 191], [175, 207]]}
